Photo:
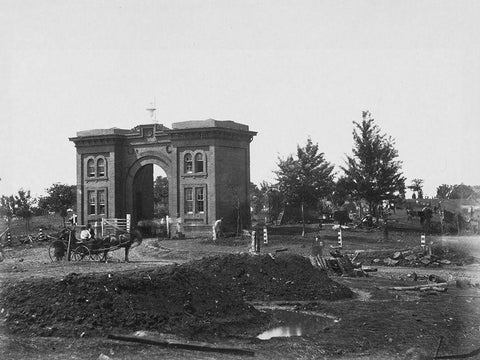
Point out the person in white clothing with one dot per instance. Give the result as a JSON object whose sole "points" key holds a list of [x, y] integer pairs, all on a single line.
{"points": [[218, 228], [85, 233]]}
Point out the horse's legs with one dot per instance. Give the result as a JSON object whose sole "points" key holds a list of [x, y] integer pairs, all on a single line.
{"points": [[127, 248]]}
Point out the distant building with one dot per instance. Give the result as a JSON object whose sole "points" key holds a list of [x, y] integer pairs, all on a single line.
{"points": [[207, 163]]}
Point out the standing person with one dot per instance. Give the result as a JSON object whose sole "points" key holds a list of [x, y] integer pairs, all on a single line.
{"points": [[218, 228], [91, 230], [72, 218]]}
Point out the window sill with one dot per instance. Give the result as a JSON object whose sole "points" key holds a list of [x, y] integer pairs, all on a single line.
{"points": [[92, 179], [194, 175]]}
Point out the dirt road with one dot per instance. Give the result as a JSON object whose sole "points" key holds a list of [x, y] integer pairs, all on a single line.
{"points": [[377, 324]]}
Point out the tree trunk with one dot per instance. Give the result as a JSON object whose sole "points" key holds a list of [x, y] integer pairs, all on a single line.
{"points": [[303, 221], [238, 216]]}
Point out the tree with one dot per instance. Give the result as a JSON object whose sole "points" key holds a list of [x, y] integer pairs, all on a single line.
{"points": [[160, 196], [60, 198], [256, 198], [342, 191], [373, 172], [7, 208], [416, 186], [461, 191], [305, 178], [24, 204], [444, 191]]}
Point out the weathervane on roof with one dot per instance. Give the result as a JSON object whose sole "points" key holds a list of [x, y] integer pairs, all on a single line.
{"points": [[151, 110]]}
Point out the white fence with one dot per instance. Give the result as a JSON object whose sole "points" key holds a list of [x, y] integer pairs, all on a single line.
{"points": [[115, 226]]}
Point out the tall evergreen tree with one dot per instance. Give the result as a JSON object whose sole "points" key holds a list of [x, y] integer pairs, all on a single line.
{"points": [[305, 178], [373, 171]]}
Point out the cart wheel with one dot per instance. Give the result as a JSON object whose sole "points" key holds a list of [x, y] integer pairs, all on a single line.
{"points": [[96, 256], [57, 250], [80, 253]]}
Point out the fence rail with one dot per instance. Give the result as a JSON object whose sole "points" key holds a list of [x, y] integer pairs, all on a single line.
{"points": [[115, 226]]}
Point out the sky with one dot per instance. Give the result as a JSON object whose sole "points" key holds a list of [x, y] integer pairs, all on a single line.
{"points": [[289, 70]]}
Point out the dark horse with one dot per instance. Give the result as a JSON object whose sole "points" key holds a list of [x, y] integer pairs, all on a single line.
{"points": [[96, 246], [123, 240]]}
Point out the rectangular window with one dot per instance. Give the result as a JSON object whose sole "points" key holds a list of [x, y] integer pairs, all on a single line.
{"points": [[200, 197], [188, 200], [101, 202], [92, 203]]}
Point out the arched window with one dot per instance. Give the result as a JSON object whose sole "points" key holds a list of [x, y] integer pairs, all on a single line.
{"points": [[91, 168], [199, 163], [100, 167], [188, 163]]}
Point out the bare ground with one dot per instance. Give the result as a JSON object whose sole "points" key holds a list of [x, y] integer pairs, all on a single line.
{"points": [[377, 324]]}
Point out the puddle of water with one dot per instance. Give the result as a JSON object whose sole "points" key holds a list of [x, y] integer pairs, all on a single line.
{"points": [[292, 323]]}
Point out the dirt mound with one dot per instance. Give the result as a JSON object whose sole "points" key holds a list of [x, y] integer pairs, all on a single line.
{"points": [[204, 297], [263, 277]]}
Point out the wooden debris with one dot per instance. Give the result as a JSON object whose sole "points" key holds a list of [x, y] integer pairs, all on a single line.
{"points": [[339, 265], [417, 287], [433, 288], [397, 255], [186, 346]]}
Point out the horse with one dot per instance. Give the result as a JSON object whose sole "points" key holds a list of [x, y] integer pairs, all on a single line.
{"points": [[124, 240], [102, 245]]}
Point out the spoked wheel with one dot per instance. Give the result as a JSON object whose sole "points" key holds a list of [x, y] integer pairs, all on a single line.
{"points": [[80, 253], [57, 251], [96, 256]]}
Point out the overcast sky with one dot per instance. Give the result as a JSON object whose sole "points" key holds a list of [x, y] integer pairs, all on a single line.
{"points": [[288, 69]]}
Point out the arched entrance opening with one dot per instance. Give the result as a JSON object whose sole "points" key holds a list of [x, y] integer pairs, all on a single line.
{"points": [[145, 204], [160, 193], [150, 199]]}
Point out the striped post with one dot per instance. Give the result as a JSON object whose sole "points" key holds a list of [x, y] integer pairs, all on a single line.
{"points": [[252, 246], [422, 241], [340, 239], [128, 224], [265, 235], [9, 238]]}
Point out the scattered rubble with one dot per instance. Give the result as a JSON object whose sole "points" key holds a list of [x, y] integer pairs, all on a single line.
{"points": [[434, 256]]}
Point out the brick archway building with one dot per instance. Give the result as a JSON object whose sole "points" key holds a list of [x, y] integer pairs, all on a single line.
{"points": [[207, 163]]}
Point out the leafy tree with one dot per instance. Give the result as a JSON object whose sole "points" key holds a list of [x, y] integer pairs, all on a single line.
{"points": [[7, 207], [461, 191], [417, 188], [444, 191], [24, 204], [60, 197], [266, 197], [256, 198], [373, 172], [305, 178], [160, 196]]}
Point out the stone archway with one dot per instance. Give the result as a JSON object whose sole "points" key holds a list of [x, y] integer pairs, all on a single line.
{"points": [[133, 184]]}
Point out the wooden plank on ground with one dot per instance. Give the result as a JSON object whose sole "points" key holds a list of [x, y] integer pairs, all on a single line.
{"points": [[186, 346]]}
